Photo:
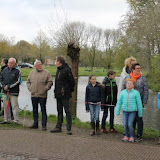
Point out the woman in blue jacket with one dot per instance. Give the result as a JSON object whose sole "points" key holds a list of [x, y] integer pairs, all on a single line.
{"points": [[130, 101]]}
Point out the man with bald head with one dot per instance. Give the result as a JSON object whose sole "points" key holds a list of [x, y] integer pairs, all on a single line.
{"points": [[9, 82]]}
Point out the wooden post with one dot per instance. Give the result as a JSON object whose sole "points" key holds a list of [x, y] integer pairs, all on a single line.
{"points": [[73, 52]]}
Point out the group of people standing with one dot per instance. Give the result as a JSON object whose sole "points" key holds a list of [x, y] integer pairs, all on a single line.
{"points": [[39, 82], [132, 94], [132, 97]]}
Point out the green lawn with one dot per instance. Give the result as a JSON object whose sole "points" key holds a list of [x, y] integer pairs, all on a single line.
{"points": [[82, 71]]}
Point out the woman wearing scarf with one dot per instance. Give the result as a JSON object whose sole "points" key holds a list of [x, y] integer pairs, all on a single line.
{"points": [[142, 87]]}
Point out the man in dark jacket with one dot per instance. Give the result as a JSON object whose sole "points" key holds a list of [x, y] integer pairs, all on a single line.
{"points": [[9, 81], [64, 86], [4, 63]]}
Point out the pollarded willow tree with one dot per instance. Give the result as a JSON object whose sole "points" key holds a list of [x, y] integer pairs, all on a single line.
{"points": [[70, 38], [73, 51]]}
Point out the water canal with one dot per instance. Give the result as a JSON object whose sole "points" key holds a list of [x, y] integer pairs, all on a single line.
{"points": [[151, 114]]}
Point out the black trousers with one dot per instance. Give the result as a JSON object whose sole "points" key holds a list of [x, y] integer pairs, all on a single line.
{"points": [[139, 122], [105, 115], [63, 102]]}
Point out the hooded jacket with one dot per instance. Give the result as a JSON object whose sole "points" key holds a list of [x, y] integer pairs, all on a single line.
{"points": [[64, 82]]}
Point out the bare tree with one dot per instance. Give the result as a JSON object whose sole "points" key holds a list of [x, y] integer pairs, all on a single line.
{"points": [[68, 39], [94, 36], [43, 48], [69, 32], [111, 41]]}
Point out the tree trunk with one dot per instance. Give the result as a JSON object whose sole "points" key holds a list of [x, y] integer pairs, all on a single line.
{"points": [[74, 66], [73, 53]]}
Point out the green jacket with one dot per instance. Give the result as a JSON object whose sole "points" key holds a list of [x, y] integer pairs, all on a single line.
{"points": [[1, 93]]}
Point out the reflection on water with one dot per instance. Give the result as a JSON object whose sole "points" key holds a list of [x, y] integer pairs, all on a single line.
{"points": [[151, 115]]}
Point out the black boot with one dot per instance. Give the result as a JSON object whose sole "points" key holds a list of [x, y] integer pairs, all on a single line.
{"points": [[92, 129], [98, 132]]}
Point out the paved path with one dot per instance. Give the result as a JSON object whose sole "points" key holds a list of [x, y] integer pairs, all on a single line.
{"points": [[26, 144], [44, 145]]}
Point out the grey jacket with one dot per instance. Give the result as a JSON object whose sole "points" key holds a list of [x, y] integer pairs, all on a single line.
{"points": [[141, 86]]}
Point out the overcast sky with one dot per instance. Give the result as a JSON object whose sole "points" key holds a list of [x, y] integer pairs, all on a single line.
{"points": [[22, 19]]}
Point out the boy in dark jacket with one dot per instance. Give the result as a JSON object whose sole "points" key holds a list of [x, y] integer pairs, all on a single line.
{"points": [[110, 100]]}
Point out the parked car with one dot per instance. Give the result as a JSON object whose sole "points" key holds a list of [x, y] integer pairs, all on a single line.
{"points": [[25, 65]]}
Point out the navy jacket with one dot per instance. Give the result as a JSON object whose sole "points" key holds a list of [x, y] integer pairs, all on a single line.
{"points": [[94, 94]]}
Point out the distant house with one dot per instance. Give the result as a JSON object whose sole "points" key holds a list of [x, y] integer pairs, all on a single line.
{"points": [[49, 61]]}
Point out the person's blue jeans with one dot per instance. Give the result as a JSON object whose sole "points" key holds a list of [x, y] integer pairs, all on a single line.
{"points": [[128, 119], [94, 111], [42, 102]]}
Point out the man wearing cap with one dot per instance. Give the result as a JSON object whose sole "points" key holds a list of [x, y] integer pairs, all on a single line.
{"points": [[39, 82]]}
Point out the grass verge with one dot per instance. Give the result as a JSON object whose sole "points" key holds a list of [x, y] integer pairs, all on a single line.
{"points": [[148, 133]]}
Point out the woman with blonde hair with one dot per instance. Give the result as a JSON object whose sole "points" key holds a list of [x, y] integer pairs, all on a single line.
{"points": [[125, 71]]}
